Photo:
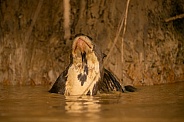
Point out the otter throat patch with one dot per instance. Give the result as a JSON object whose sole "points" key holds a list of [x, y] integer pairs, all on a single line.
{"points": [[82, 78]]}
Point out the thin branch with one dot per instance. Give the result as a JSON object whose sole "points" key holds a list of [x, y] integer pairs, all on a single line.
{"points": [[118, 32], [124, 30], [33, 21], [115, 39], [82, 93], [180, 16]]}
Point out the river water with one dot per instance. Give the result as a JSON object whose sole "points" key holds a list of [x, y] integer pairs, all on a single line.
{"points": [[159, 103]]}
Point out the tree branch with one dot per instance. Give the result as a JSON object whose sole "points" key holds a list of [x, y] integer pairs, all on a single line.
{"points": [[118, 31], [174, 18], [33, 21]]}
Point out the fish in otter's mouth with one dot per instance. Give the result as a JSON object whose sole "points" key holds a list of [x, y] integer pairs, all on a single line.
{"points": [[85, 75]]}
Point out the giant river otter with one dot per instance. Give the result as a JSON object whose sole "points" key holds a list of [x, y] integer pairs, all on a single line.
{"points": [[86, 75]]}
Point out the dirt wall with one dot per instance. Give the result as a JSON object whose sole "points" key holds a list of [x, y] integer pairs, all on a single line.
{"points": [[33, 49]]}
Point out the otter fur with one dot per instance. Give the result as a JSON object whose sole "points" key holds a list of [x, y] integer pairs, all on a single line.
{"points": [[85, 74]]}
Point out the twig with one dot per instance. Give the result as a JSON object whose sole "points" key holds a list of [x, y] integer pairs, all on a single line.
{"points": [[124, 29], [117, 35], [174, 18], [115, 40], [82, 93], [33, 21]]}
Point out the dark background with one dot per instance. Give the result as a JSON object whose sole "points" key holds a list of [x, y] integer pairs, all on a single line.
{"points": [[33, 49]]}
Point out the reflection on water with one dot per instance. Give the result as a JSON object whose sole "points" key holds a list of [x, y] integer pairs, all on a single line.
{"points": [[86, 106], [83, 104], [149, 103]]}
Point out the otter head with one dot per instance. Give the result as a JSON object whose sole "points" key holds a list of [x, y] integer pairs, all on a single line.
{"points": [[84, 50], [82, 45], [86, 66]]}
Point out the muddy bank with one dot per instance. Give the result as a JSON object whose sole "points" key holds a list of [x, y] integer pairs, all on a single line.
{"points": [[33, 49]]}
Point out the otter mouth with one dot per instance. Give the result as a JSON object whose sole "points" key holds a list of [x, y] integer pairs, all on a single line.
{"points": [[81, 48], [82, 45]]}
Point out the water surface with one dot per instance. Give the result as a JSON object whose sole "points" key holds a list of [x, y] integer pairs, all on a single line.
{"points": [[163, 103]]}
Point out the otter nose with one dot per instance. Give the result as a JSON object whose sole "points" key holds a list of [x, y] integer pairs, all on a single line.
{"points": [[81, 45]]}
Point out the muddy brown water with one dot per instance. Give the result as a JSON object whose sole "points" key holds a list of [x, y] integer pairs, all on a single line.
{"points": [[163, 103]]}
